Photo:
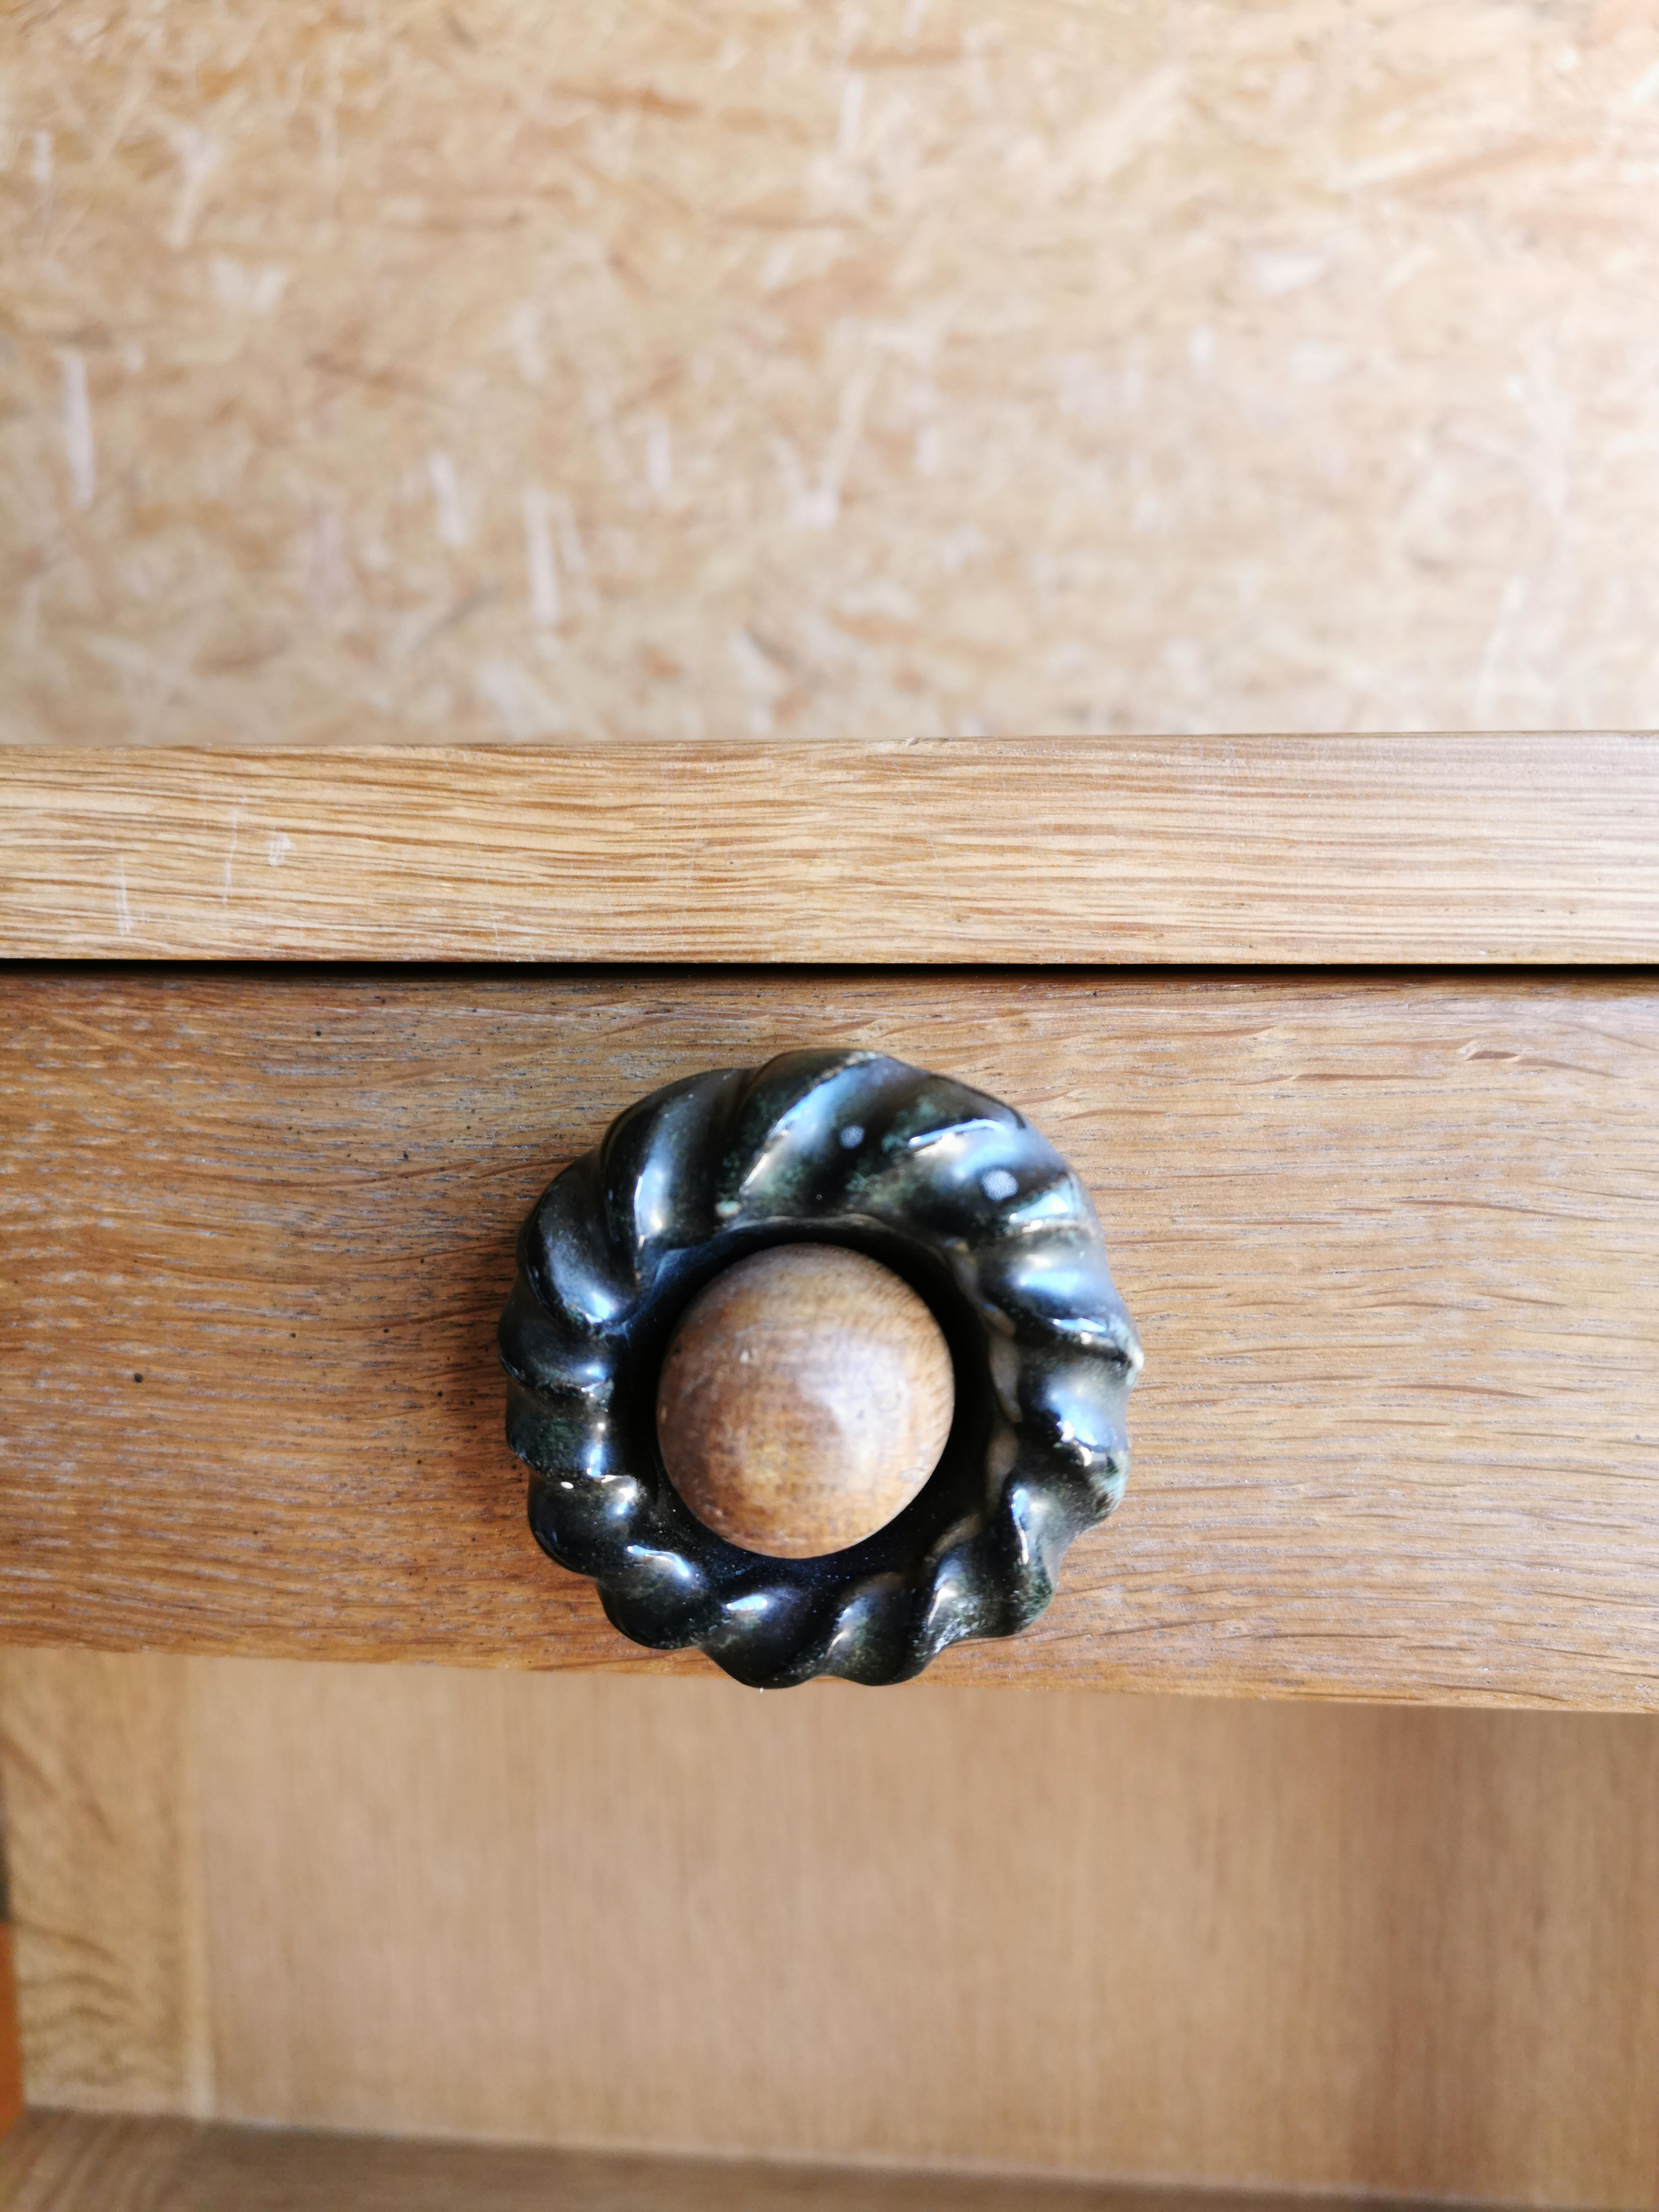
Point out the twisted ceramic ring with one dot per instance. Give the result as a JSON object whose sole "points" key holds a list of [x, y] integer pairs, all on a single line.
{"points": [[953, 1191]]}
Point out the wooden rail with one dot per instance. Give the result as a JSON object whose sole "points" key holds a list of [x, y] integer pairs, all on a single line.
{"points": [[1430, 849], [70, 2161]]}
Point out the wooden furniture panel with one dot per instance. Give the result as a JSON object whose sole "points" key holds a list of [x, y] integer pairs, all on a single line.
{"points": [[11, 2051], [714, 382], [914, 368], [1430, 849], [104, 1837], [1390, 1244], [11, 2056], [1176, 1939], [65, 2162]]}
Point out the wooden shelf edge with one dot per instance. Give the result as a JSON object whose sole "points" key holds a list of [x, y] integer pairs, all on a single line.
{"points": [[1320, 850], [55, 2161], [11, 2054]]}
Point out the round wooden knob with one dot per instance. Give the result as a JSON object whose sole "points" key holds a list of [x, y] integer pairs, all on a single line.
{"points": [[806, 1398]]}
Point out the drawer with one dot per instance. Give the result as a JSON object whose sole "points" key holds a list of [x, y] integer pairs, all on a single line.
{"points": [[1352, 1042], [1389, 1239]]}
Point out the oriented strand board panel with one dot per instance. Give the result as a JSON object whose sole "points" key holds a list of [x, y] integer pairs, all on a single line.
{"points": [[1396, 849], [915, 367], [1391, 1245], [1179, 1940]]}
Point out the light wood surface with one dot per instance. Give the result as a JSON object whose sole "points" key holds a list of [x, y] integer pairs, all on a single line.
{"points": [[805, 1399], [11, 2050], [1320, 1946], [909, 368], [69, 2163], [1398, 849], [1390, 1244], [104, 1837]]}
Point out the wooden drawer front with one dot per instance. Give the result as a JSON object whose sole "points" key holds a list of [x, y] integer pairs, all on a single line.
{"points": [[1391, 1246]]}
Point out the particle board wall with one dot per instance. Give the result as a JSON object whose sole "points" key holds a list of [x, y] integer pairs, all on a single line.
{"points": [[1344, 1948], [910, 367]]}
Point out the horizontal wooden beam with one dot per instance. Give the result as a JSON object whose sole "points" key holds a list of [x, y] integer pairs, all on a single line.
{"points": [[71, 2161], [1354, 850], [1391, 1246]]}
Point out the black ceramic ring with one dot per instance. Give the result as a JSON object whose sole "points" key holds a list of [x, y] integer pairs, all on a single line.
{"points": [[950, 1189]]}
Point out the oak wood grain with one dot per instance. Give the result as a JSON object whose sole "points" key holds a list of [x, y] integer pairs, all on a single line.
{"points": [[98, 1758], [1543, 849], [11, 2050], [69, 2162], [1390, 1245], [1310, 1946]]}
